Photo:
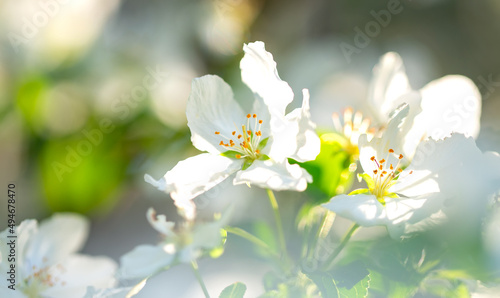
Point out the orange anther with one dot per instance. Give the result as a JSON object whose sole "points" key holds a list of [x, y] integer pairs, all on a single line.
{"points": [[217, 133], [392, 168], [391, 151], [221, 143], [238, 155], [384, 172], [248, 116], [400, 170], [375, 172], [239, 136], [255, 115], [260, 121], [234, 132], [257, 151], [401, 156], [380, 167], [249, 132], [372, 158], [382, 161], [411, 172]]}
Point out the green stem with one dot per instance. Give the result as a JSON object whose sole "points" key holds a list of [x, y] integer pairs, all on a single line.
{"points": [[343, 243], [279, 226], [244, 234], [194, 265], [320, 231]]}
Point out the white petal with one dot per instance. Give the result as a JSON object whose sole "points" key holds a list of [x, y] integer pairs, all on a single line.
{"points": [[107, 293], [462, 178], [258, 71], [276, 176], [406, 216], [450, 104], [186, 208], [195, 175], [211, 107], [435, 163], [379, 147], [24, 232], [160, 223], [78, 272], [307, 141], [143, 261], [388, 84], [363, 209], [57, 238]]}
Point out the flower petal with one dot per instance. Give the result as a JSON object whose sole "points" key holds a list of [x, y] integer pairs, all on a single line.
{"points": [[25, 231], [450, 104], [294, 135], [57, 238], [78, 272], [160, 223], [363, 209], [258, 71], [411, 215], [388, 84], [276, 176], [459, 177], [119, 292], [379, 147], [211, 107], [307, 141], [143, 261], [435, 163], [195, 175]]}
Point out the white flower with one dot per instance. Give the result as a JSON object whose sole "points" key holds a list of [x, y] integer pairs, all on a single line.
{"points": [[46, 261], [453, 175], [182, 244], [451, 104], [254, 145]]}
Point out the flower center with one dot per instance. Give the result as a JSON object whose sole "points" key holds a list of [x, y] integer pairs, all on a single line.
{"points": [[245, 142], [42, 278], [352, 126], [385, 175]]}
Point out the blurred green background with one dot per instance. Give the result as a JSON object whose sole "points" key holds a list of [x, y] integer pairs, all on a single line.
{"points": [[93, 93]]}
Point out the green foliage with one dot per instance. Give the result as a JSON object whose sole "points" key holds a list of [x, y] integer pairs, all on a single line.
{"points": [[236, 290], [331, 169], [265, 233], [329, 288], [78, 182], [30, 95]]}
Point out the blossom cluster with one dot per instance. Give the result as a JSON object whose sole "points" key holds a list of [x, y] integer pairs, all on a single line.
{"points": [[420, 173]]}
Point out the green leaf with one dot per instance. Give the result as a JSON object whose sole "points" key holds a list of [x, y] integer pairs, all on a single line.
{"points": [[236, 290], [230, 154], [325, 283], [332, 170], [360, 290], [263, 143], [247, 164]]}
